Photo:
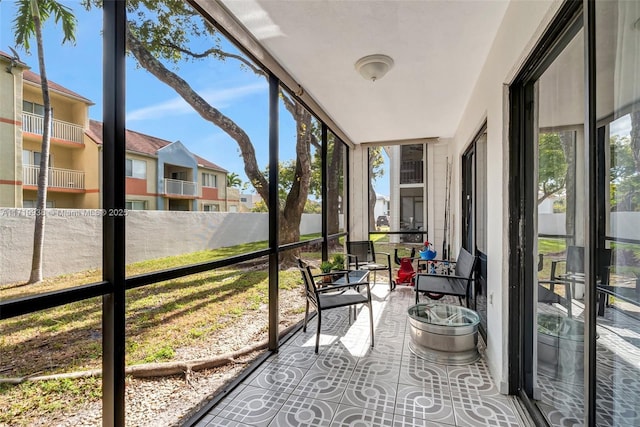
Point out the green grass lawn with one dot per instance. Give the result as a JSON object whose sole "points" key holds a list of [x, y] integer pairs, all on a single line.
{"points": [[161, 319]]}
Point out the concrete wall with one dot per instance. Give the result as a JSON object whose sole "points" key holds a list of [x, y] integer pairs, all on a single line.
{"points": [[73, 238], [621, 224]]}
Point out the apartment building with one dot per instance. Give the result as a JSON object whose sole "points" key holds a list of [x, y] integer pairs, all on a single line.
{"points": [[161, 174]]}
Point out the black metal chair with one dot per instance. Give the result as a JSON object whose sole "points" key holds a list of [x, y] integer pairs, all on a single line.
{"points": [[361, 255], [573, 268], [332, 295], [457, 284]]}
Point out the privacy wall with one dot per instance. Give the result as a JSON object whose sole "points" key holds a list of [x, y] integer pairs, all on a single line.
{"points": [[73, 238]]}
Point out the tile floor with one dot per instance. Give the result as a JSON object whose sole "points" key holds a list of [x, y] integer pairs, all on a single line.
{"points": [[351, 384]]}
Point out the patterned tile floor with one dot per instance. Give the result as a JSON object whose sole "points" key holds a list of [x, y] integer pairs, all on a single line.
{"points": [[351, 384]]}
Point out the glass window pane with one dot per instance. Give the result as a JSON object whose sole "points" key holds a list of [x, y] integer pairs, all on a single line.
{"points": [[63, 340], [558, 326], [300, 186], [618, 113], [73, 226]]}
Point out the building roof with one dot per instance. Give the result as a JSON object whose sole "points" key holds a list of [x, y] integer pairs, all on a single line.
{"points": [[32, 77], [144, 144]]}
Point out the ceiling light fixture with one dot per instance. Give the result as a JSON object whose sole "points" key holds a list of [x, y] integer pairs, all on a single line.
{"points": [[374, 67]]}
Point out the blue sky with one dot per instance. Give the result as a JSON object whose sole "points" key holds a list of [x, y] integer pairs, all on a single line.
{"points": [[152, 107]]}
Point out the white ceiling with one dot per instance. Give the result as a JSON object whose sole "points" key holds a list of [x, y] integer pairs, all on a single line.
{"points": [[438, 46]]}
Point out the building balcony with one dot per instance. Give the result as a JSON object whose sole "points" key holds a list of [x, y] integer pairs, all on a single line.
{"points": [[33, 123], [67, 179], [177, 187]]}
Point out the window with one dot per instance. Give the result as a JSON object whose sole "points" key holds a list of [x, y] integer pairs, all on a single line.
{"points": [[136, 205], [209, 180], [33, 158], [32, 107], [211, 208], [136, 169], [243, 199], [411, 165]]}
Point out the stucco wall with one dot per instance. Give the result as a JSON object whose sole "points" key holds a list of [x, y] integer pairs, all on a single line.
{"points": [[73, 238]]}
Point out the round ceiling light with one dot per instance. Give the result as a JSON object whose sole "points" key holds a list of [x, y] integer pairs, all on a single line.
{"points": [[374, 67]]}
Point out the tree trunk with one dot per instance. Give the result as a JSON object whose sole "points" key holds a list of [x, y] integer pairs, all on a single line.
{"points": [[372, 193], [635, 137], [43, 175], [569, 147], [334, 178]]}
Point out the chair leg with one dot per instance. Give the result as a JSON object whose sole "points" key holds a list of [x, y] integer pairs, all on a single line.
{"points": [[392, 284], [318, 331], [306, 316], [371, 321], [416, 289]]}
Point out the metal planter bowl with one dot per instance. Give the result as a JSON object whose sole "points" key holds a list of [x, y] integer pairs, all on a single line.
{"points": [[444, 333]]}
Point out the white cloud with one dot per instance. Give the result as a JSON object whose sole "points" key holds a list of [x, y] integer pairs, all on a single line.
{"points": [[177, 106]]}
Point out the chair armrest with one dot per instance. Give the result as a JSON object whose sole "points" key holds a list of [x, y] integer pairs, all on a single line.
{"points": [[388, 255], [330, 287]]}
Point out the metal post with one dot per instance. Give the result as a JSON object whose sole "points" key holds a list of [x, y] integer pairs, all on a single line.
{"points": [[274, 212], [591, 223], [323, 191], [113, 231]]}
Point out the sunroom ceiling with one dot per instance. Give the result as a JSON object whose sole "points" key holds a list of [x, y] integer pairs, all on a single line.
{"points": [[438, 46]]}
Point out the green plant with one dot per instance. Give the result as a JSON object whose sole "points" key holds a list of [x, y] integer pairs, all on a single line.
{"points": [[326, 266], [338, 261]]}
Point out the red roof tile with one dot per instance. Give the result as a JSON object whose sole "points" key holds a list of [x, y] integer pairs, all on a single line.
{"points": [[144, 144], [32, 77]]}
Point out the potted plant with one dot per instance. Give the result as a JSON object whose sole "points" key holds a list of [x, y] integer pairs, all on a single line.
{"points": [[338, 262], [326, 267]]}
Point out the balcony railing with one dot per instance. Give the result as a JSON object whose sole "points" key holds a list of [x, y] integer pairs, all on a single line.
{"points": [[58, 178], [179, 187], [34, 123], [411, 172]]}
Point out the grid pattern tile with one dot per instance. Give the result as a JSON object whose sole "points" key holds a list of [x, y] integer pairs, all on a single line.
{"points": [[351, 384]]}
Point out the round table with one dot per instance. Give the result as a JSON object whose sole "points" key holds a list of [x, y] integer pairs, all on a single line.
{"points": [[444, 333]]}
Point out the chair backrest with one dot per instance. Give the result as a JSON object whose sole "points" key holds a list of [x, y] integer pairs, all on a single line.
{"points": [[307, 279], [363, 249], [465, 264], [575, 262]]}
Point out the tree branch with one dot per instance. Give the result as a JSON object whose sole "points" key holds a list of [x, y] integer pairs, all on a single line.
{"points": [[218, 53], [202, 107]]}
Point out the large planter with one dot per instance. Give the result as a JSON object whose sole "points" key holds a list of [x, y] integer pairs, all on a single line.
{"points": [[560, 347], [444, 333]]}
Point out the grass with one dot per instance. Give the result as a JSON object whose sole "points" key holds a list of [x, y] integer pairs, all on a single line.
{"points": [[161, 319]]}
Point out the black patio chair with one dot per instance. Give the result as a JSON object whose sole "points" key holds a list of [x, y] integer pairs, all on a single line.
{"points": [[361, 255], [331, 295], [573, 269], [457, 284]]}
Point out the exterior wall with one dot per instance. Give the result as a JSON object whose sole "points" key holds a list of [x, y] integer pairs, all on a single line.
{"points": [[233, 200], [64, 108], [150, 234], [10, 136], [89, 160], [211, 195], [523, 24]]}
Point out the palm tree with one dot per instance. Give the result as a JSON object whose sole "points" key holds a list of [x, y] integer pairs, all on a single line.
{"points": [[233, 180], [28, 24]]}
